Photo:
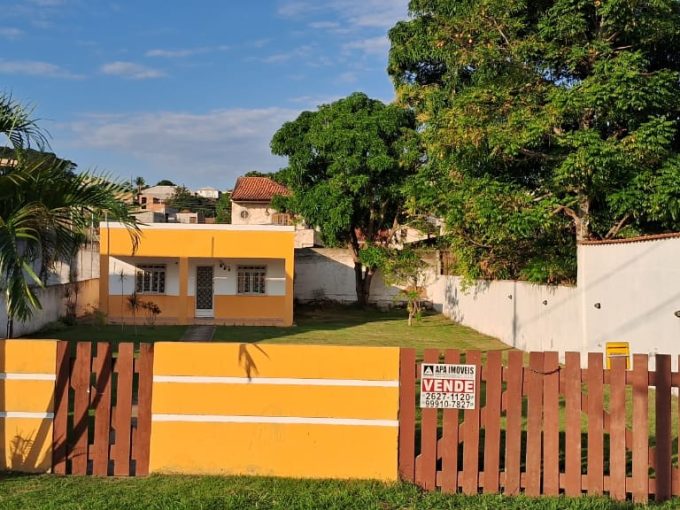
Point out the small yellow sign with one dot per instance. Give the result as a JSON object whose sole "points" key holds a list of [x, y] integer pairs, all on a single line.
{"points": [[618, 350]]}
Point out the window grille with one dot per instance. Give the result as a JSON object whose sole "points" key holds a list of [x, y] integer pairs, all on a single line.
{"points": [[251, 279], [150, 279]]}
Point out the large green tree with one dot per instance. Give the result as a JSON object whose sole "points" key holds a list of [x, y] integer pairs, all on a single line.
{"points": [[347, 165], [223, 208], [46, 209], [545, 122], [184, 199]]}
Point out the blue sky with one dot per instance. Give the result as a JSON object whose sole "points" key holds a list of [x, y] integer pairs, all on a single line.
{"points": [[188, 91]]}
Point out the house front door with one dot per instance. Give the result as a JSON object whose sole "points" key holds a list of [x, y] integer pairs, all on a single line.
{"points": [[204, 291]]}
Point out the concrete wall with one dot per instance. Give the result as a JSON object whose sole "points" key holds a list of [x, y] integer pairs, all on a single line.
{"points": [[26, 397], [525, 316], [53, 302], [637, 289], [327, 274], [627, 291], [308, 411], [84, 270]]}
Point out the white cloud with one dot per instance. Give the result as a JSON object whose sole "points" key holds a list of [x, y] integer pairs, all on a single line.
{"points": [[348, 77], [11, 33], [324, 24], [357, 13], [35, 68], [293, 8], [185, 52], [48, 3], [171, 53], [279, 58], [131, 70], [372, 46], [195, 149]]}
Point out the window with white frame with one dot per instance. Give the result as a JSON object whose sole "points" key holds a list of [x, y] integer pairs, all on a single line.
{"points": [[251, 279], [150, 279]]}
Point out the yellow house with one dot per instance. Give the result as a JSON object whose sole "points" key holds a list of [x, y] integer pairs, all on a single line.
{"points": [[224, 274]]}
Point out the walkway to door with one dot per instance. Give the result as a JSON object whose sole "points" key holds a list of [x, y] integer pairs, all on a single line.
{"points": [[199, 333]]}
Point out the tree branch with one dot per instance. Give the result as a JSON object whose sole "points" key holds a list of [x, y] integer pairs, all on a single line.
{"points": [[568, 211], [617, 228]]}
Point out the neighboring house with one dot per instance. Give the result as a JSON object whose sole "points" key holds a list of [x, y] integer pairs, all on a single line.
{"points": [[189, 217], [251, 204], [150, 217], [225, 274], [154, 198], [208, 192]]}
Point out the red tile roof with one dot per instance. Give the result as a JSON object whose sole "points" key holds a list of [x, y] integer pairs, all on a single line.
{"points": [[257, 189]]}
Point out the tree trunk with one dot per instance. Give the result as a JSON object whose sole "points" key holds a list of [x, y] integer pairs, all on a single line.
{"points": [[363, 278], [362, 275], [582, 219]]}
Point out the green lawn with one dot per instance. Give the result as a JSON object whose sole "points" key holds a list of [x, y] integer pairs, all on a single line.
{"points": [[246, 493], [328, 325]]}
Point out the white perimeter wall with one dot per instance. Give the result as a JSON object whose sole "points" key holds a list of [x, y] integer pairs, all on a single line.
{"points": [[525, 316], [53, 297], [637, 287], [328, 274]]}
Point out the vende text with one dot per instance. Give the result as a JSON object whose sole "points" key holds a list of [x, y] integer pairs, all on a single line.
{"points": [[449, 385]]}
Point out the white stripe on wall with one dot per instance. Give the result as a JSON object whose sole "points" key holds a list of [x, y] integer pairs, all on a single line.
{"points": [[5, 376], [213, 418], [23, 414], [192, 379]]}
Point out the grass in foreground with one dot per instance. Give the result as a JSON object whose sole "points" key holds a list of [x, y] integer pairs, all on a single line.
{"points": [[246, 493], [328, 325]]}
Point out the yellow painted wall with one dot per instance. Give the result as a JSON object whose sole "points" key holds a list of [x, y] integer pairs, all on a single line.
{"points": [[339, 406], [199, 243], [170, 307], [26, 442], [250, 307], [204, 243]]}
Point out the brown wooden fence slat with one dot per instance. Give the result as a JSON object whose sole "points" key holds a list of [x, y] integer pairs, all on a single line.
{"points": [[617, 429], [120, 452], [471, 433], [101, 402], [572, 397], [664, 449], [144, 394], [595, 424], [450, 436], [534, 419], [407, 413], [492, 430], [60, 422], [640, 483], [80, 381], [551, 424], [428, 449], [513, 413]]}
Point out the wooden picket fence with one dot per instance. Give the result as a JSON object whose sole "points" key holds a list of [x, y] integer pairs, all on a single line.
{"points": [[545, 428], [102, 418]]}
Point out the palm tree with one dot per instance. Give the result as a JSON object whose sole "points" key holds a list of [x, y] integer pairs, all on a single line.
{"points": [[140, 183], [46, 209]]}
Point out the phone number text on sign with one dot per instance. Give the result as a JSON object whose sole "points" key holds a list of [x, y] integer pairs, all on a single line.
{"points": [[446, 386]]}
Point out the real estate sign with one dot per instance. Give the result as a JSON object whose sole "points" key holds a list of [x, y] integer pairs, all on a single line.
{"points": [[448, 386]]}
